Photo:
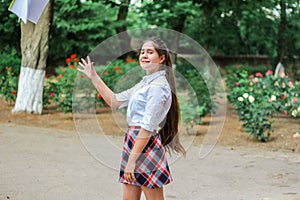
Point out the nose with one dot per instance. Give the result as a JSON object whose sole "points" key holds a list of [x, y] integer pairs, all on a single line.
{"points": [[144, 55]]}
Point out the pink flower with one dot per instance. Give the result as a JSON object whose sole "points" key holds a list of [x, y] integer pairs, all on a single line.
{"points": [[281, 74], [291, 84], [283, 96], [52, 94], [251, 76], [237, 84], [294, 100], [258, 74], [269, 72], [298, 109], [255, 80], [285, 112]]}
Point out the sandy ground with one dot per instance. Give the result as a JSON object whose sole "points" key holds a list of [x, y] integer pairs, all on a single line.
{"points": [[40, 163]]}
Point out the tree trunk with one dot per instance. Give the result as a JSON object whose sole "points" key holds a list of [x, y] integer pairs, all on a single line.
{"points": [[34, 47], [281, 45], [124, 38]]}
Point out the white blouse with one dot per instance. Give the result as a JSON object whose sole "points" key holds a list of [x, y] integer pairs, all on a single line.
{"points": [[148, 102]]}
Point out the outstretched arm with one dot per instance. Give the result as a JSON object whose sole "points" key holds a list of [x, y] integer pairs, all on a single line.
{"points": [[106, 93]]}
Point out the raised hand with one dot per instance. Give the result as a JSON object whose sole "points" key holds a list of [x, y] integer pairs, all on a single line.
{"points": [[87, 68]]}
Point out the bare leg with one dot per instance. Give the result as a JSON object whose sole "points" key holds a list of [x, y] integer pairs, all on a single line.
{"points": [[153, 194], [131, 192]]}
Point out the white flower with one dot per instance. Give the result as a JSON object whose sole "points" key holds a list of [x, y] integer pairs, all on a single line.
{"points": [[294, 113], [246, 95], [251, 99], [241, 99], [273, 98]]}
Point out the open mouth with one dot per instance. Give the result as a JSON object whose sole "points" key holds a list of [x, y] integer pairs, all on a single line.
{"points": [[145, 61]]}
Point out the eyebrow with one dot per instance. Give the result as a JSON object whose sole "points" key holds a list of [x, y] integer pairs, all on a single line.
{"points": [[147, 49]]}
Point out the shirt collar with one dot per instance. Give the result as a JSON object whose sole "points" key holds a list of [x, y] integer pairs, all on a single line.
{"points": [[149, 78]]}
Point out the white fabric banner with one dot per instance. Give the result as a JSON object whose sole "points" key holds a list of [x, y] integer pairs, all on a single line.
{"points": [[20, 8], [28, 9], [35, 10]]}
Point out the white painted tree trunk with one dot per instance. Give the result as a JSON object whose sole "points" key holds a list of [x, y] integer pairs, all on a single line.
{"points": [[30, 91], [34, 47]]}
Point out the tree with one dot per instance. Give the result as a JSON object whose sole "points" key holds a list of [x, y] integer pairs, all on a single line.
{"points": [[34, 48]]}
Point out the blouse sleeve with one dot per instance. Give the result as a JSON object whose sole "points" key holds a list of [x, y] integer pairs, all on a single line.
{"points": [[158, 104], [125, 95]]}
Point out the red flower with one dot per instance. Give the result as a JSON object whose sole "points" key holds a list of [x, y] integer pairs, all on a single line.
{"points": [[8, 68], [52, 94], [105, 73], [75, 59], [99, 96], [73, 56], [47, 76], [60, 76], [14, 92], [72, 66], [269, 72], [18, 75], [68, 60], [238, 66], [258, 74], [128, 60], [116, 68]]}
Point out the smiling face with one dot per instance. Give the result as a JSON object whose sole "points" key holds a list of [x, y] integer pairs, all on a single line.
{"points": [[149, 58]]}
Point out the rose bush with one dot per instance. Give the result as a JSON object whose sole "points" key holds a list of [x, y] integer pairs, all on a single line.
{"points": [[258, 97]]}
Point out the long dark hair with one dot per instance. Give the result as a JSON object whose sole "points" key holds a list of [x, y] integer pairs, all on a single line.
{"points": [[169, 131]]}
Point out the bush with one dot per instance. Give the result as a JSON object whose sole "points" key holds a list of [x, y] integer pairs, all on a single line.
{"points": [[59, 89], [204, 90], [257, 98], [9, 75]]}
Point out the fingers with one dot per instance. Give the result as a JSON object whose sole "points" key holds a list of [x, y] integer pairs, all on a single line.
{"points": [[129, 176], [89, 60], [83, 61]]}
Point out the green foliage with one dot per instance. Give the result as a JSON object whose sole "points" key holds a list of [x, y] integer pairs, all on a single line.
{"points": [[59, 89], [257, 98], [189, 112], [121, 75], [78, 27], [9, 29], [205, 89], [9, 74]]}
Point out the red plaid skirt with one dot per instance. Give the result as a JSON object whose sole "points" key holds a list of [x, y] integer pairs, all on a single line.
{"points": [[152, 168]]}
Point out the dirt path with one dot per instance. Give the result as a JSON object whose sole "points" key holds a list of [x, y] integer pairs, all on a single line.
{"points": [[39, 163]]}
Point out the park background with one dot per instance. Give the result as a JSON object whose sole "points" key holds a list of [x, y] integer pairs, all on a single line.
{"points": [[246, 39]]}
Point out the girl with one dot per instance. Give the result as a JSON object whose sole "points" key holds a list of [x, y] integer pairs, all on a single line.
{"points": [[152, 117]]}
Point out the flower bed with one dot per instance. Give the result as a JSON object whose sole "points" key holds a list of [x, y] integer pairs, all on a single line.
{"points": [[257, 98]]}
